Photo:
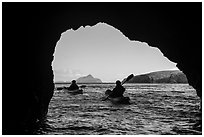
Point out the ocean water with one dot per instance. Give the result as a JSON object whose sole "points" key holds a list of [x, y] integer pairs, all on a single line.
{"points": [[155, 109]]}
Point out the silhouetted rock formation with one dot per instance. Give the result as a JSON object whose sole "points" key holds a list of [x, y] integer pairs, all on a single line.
{"points": [[88, 79], [30, 32], [160, 77]]}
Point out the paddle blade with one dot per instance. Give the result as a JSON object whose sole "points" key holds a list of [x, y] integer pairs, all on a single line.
{"points": [[129, 77], [82, 86]]}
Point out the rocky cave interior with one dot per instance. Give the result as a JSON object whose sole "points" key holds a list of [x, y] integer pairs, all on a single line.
{"points": [[31, 31]]}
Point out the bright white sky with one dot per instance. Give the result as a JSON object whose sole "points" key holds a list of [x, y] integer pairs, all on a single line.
{"points": [[105, 53]]}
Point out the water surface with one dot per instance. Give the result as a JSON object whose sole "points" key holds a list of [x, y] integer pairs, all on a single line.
{"points": [[155, 109]]}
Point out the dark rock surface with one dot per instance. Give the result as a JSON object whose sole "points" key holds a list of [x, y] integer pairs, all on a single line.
{"points": [[88, 79], [30, 32], [160, 77]]}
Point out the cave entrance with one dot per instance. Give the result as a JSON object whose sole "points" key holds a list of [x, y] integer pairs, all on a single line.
{"points": [[102, 51]]}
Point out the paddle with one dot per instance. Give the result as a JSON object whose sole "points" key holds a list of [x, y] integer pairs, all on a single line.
{"points": [[82, 86], [127, 79]]}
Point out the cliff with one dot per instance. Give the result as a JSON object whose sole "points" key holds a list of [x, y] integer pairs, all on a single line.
{"points": [[160, 77], [88, 79]]}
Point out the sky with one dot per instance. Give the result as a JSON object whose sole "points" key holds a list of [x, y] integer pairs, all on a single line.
{"points": [[105, 53]]}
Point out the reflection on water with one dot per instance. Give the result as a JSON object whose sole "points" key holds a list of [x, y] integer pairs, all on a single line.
{"points": [[155, 109]]}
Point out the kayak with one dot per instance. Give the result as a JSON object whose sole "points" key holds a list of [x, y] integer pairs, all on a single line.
{"points": [[120, 100], [76, 91], [60, 88], [117, 100]]}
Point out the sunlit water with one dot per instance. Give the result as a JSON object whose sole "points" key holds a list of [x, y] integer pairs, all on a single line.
{"points": [[155, 109]]}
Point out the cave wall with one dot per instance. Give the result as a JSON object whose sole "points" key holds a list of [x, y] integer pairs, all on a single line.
{"points": [[31, 31]]}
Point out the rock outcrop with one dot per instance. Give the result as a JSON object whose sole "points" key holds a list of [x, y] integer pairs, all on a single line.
{"points": [[88, 79], [160, 77], [30, 32]]}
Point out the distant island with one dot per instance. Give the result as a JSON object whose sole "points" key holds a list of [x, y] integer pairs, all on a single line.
{"points": [[174, 76], [171, 76], [88, 79]]}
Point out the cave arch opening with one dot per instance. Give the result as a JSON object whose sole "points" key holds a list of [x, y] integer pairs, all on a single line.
{"points": [[75, 53], [92, 50]]}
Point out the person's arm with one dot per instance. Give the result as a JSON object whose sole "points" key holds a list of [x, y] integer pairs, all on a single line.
{"points": [[123, 90], [112, 93], [77, 86], [69, 88]]}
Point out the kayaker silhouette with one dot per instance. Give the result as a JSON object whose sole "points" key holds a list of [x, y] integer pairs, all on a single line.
{"points": [[116, 95], [118, 91], [73, 86]]}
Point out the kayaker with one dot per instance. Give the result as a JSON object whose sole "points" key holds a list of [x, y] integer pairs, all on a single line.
{"points": [[73, 86], [118, 90]]}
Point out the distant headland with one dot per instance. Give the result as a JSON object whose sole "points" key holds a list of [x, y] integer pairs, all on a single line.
{"points": [[168, 76], [88, 79]]}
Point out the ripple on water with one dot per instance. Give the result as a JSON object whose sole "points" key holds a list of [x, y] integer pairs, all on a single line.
{"points": [[155, 109]]}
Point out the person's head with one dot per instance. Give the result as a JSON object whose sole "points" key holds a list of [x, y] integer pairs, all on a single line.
{"points": [[118, 82], [73, 81]]}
